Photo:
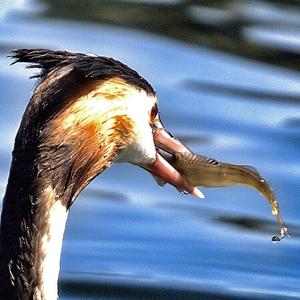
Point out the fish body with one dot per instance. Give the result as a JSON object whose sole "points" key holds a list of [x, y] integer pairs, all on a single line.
{"points": [[203, 171], [207, 172]]}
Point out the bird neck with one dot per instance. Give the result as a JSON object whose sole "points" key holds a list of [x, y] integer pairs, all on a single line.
{"points": [[32, 227], [45, 178]]}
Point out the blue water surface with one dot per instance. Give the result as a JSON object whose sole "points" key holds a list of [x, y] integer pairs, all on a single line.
{"points": [[128, 238]]}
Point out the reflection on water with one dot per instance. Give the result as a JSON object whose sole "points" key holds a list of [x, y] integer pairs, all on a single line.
{"points": [[248, 223], [89, 289], [104, 194], [227, 25], [293, 122], [128, 238], [247, 93]]}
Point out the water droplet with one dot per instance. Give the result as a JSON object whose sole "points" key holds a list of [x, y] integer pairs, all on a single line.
{"points": [[275, 239], [284, 232]]}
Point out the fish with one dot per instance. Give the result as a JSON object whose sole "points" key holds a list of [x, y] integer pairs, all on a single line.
{"points": [[203, 171]]}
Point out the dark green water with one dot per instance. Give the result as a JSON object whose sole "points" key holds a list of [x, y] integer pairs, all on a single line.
{"points": [[128, 238]]}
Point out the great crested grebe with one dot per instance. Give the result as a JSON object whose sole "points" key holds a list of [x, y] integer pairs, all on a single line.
{"points": [[86, 113]]}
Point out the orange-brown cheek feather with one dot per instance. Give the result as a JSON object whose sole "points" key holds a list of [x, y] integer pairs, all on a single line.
{"points": [[93, 137], [97, 140]]}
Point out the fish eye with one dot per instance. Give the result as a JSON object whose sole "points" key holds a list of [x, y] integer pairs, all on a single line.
{"points": [[154, 112]]}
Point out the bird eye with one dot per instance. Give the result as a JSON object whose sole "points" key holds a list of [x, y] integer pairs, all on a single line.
{"points": [[154, 112]]}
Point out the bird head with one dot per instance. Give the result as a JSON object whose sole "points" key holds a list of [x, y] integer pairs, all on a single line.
{"points": [[123, 121], [88, 112]]}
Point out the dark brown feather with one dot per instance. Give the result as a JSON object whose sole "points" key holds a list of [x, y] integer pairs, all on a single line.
{"points": [[87, 66]]}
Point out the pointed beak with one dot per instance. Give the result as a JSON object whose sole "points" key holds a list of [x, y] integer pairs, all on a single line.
{"points": [[162, 168]]}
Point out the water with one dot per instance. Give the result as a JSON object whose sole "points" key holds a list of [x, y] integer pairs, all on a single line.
{"points": [[126, 237]]}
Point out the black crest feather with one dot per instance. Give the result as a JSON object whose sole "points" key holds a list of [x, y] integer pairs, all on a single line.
{"points": [[88, 66]]}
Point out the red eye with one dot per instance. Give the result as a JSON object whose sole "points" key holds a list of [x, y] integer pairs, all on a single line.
{"points": [[154, 112]]}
